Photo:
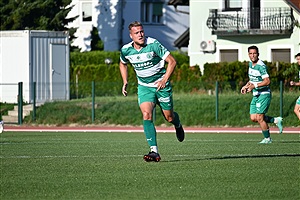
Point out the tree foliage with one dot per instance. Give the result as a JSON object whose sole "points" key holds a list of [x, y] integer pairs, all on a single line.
{"points": [[96, 42], [35, 14]]}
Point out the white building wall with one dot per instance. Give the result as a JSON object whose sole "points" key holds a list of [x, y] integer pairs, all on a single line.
{"points": [[14, 65], [83, 33], [26, 57], [112, 17], [109, 23], [174, 23], [199, 12]]}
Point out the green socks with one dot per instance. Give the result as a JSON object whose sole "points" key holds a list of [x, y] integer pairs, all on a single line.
{"points": [[150, 132], [269, 119], [266, 133], [176, 121]]}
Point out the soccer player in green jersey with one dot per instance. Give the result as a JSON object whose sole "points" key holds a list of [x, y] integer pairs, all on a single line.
{"points": [[258, 83], [292, 83], [148, 57]]}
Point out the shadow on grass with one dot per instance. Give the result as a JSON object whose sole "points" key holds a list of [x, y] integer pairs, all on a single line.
{"points": [[236, 157], [292, 142]]}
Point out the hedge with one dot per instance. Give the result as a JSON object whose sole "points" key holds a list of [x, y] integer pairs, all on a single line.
{"points": [[90, 66]]}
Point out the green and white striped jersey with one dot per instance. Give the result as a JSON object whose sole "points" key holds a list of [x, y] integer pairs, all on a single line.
{"points": [[148, 62], [256, 75]]}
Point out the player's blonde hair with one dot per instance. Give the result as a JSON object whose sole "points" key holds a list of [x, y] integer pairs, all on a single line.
{"points": [[134, 24]]}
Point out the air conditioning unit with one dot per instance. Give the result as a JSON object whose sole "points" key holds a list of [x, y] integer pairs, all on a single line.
{"points": [[208, 46]]}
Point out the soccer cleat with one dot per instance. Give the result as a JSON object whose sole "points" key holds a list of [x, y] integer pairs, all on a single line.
{"points": [[266, 141], [279, 124], [152, 156], [180, 133]]}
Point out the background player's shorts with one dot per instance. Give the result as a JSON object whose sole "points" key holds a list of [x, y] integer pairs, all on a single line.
{"points": [[298, 101], [162, 97], [260, 104]]}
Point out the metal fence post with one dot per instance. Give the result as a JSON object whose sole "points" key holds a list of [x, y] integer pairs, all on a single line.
{"points": [[281, 99], [93, 101], [20, 103], [217, 101], [34, 101]]}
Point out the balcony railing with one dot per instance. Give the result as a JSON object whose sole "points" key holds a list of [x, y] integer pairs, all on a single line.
{"points": [[272, 21]]}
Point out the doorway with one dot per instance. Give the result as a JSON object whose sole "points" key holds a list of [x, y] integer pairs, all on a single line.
{"points": [[58, 89], [255, 14]]}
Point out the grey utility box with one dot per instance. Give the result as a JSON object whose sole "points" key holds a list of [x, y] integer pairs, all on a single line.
{"points": [[30, 56]]}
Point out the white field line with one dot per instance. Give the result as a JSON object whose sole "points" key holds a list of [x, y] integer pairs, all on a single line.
{"points": [[140, 130], [127, 156], [99, 141]]}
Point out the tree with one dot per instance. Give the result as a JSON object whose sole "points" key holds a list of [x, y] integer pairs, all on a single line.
{"points": [[96, 43], [35, 14]]}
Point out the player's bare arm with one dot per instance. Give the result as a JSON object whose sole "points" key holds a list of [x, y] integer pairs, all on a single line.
{"points": [[265, 82], [124, 74], [293, 83], [245, 88], [170, 69]]}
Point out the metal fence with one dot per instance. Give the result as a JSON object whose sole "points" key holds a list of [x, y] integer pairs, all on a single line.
{"points": [[245, 19], [99, 89]]}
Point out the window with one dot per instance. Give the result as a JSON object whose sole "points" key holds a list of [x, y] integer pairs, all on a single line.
{"points": [[233, 5], [229, 55], [152, 12], [87, 11], [281, 55]]}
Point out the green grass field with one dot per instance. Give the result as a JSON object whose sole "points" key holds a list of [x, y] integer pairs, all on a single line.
{"points": [[55, 165]]}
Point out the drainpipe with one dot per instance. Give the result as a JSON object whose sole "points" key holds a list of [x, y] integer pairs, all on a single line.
{"points": [[122, 24]]}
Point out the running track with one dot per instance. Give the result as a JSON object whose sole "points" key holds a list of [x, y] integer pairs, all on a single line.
{"points": [[7, 128]]}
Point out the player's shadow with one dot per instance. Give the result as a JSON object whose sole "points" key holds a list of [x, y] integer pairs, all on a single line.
{"points": [[291, 142], [235, 157]]}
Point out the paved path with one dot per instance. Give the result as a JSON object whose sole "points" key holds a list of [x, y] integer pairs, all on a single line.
{"points": [[294, 130]]}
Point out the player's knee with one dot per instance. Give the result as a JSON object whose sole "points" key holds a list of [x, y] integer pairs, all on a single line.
{"points": [[259, 118], [147, 115], [170, 119], [253, 119]]}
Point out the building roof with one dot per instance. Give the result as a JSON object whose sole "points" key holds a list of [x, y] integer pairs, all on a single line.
{"points": [[295, 4], [179, 2], [183, 39]]}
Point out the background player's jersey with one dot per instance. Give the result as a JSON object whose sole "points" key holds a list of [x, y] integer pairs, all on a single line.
{"points": [[256, 75], [148, 62]]}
